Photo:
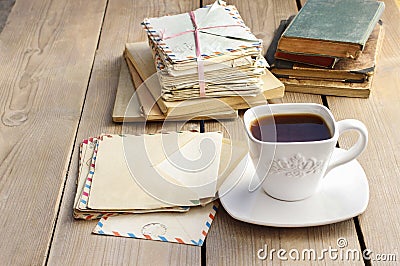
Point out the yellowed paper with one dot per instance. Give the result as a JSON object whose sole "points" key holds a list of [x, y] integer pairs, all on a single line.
{"points": [[125, 178], [196, 164], [81, 210]]}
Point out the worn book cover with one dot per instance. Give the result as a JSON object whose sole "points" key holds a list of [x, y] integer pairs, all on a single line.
{"points": [[324, 87], [313, 60], [273, 56], [337, 28], [345, 70]]}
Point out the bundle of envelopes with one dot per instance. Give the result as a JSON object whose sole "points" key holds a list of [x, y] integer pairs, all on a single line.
{"points": [[329, 48], [142, 88], [141, 185], [208, 65], [211, 45]]}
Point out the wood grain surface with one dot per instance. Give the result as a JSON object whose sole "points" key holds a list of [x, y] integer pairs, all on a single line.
{"points": [[59, 65], [73, 242], [232, 242], [46, 55], [380, 222]]}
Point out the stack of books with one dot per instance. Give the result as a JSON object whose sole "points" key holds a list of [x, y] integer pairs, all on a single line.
{"points": [[208, 65], [329, 47]]}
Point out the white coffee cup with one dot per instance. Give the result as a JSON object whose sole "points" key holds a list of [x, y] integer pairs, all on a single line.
{"points": [[294, 170]]}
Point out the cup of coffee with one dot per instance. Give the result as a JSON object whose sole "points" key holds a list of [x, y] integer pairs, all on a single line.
{"points": [[291, 146]]}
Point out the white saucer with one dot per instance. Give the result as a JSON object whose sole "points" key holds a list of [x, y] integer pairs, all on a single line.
{"points": [[343, 194]]}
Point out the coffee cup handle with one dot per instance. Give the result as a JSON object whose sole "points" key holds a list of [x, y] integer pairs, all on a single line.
{"points": [[357, 148]]}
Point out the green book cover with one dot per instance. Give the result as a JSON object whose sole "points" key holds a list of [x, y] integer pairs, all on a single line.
{"points": [[349, 21]]}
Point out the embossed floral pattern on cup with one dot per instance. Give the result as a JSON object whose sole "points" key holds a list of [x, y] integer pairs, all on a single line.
{"points": [[296, 166]]}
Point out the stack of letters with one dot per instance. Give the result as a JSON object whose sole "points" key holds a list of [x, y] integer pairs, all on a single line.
{"points": [[140, 185], [208, 64], [206, 52]]}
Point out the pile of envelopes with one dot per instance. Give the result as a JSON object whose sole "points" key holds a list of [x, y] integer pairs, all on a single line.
{"points": [[154, 186], [211, 44]]}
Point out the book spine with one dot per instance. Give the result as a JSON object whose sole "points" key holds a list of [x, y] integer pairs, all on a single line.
{"points": [[314, 60]]}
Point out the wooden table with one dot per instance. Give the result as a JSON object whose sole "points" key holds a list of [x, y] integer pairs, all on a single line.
{"points": [[59, 65]]}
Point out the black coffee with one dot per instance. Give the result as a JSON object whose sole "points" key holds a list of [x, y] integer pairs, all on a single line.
{"points": [[290, 128]]}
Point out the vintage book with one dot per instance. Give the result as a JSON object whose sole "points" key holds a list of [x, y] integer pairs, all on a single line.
{"points": [[313, 60], [323, 87], [129, 108], [345, 70], [274, 57], [337, 28], [139, 54]]}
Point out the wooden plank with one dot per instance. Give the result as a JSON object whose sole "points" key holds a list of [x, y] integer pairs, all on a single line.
{"points": [[379, 223], [231, 242], [46, 55], [73, 243]]}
